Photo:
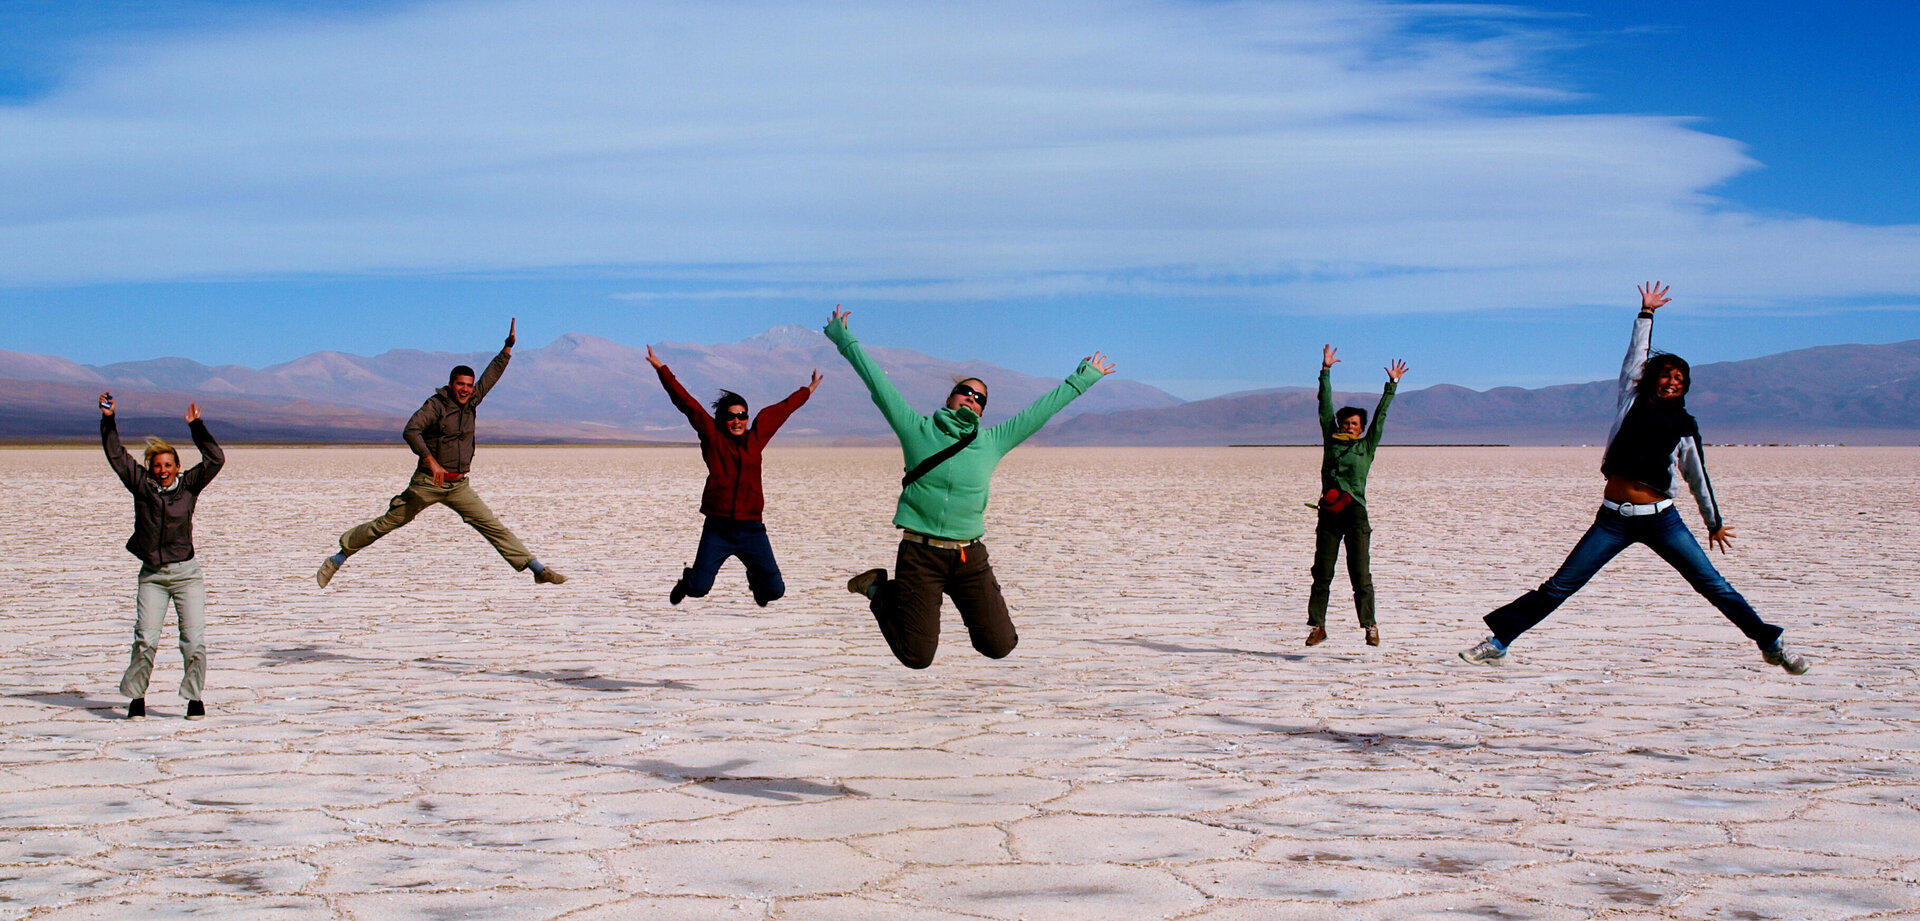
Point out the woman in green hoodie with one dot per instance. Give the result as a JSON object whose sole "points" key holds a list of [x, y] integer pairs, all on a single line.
{"points": [[942, 509], [1346, 455]]}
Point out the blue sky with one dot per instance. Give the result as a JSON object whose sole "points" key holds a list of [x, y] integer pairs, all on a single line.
{"points": [[1205, 190]]}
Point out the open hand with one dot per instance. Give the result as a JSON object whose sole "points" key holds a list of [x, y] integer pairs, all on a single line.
{"points": [[1326, 357], [654, 360], [1100, 363], [1721, 540], [815, 383], [193, 413], [839, 316], [106, 404], [1396, 370], [511, 321], [1653, 296]]}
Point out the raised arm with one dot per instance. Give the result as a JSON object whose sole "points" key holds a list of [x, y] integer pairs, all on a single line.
{"points": [[893, 406], [124, 467], [1327, 361], [1653, 296], [1395, 371], [696, 414], [1027, 421], [212, 458], [495, 368], [769, 420]]}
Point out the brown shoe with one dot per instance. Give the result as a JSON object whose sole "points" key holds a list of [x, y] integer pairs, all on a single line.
{"points": [[1316, 636], [1373, 635], [863, 584]]}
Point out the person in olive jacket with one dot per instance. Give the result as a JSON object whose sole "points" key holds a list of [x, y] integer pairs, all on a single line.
{"points": [[949, 460], [733, 500], [164, 497], [441, 435], [1346, 456]]}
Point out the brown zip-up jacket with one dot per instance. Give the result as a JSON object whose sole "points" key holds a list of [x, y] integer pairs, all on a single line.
{"points": [[162, 519], [443, 429]]}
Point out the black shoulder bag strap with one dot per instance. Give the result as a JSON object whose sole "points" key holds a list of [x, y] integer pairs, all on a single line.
{"points": [[936, 459]]}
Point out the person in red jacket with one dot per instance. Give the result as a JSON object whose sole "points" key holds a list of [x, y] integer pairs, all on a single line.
{"points": [[733, 499]]}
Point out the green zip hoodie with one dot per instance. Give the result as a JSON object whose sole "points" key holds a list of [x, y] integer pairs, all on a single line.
{"points": [[950, 501], [1344, 462]]}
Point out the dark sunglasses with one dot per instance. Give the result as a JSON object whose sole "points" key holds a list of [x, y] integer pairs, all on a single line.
{"points": [[734, 414], [964, 390]]}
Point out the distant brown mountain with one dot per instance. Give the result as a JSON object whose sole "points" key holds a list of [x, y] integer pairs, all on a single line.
{"points": [[577, 388], [1851, 394]]}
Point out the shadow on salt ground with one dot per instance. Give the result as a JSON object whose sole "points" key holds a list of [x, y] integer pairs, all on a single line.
{"points": [[100, 709], [1361, 741], [1158, 646], [720, 778], [571, 677], [299, 655]]}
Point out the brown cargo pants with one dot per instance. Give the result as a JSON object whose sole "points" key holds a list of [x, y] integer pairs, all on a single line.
{"points": [[460, 497], [907, 606]]}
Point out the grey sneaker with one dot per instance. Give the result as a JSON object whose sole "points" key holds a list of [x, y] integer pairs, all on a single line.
{"points": [[1486, 653], [866, 582], [1793, 662], [548, 576], [327, 568]]}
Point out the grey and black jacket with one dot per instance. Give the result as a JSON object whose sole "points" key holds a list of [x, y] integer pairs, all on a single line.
{"points": [[162, 518], [1652, 440], [442, 428]]}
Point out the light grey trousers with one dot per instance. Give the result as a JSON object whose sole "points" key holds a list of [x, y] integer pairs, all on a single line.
{"points": [[179, 583]]}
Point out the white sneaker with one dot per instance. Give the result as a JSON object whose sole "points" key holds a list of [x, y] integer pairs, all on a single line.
{"points": [[1486, 653]]}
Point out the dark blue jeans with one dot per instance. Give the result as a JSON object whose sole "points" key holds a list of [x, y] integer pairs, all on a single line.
{"points": [[723, 537], [1611, 533]]}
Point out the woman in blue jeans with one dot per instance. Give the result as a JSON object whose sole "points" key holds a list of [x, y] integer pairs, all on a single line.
{"points": [[1653, 438]]}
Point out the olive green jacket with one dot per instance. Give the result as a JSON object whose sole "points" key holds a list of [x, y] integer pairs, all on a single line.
{"points": [[1344, 462]]}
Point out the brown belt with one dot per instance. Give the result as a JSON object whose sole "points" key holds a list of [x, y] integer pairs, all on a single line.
{"points": [[939, 542]]}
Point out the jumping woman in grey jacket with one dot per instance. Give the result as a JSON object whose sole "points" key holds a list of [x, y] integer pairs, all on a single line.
{"points": [[164, 497]]}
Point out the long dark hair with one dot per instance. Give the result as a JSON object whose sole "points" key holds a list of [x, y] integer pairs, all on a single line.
{"points": [[1657, 366], [728, 398]]}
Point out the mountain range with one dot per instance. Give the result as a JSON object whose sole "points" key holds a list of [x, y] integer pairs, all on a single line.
{"points": [[582, 388]]}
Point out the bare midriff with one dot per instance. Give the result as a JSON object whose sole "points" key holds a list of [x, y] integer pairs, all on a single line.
{"points": [[1621, 489]]}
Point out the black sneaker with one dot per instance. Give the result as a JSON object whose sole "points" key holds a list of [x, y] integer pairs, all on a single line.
{"points": [[196, 710], [137, 708], [679, 592]]}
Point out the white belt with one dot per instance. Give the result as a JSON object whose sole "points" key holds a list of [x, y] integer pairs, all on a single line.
{"points": [[1630, 510]]}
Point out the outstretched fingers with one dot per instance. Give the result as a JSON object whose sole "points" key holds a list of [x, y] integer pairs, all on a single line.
{"points": [[193, 412], [840, 315], [815, 383], [1653, 295], [654, 360], [1396, 370], [1100, 363], [1326, 355]]}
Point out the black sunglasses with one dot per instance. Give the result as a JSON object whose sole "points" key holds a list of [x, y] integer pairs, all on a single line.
{"points": [[964, 390], [734, 414]]}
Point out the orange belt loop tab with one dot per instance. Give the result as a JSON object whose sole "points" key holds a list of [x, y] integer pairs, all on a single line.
{"points": [[963, 554]]}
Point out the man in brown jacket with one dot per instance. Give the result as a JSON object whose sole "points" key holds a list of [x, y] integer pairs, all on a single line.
{"points": [[441, 434]]}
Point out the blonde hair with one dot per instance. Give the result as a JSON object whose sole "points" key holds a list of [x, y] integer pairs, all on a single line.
{"points": [[157, 446]]}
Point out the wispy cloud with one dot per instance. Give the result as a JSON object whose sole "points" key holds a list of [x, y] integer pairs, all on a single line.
{"points": [[1343, 155]]}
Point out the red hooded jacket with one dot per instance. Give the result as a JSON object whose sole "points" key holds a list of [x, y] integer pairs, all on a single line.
{"points": [[733, 464]]}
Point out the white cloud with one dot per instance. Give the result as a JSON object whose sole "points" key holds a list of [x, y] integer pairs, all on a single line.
{"points": [[1347, 155]]}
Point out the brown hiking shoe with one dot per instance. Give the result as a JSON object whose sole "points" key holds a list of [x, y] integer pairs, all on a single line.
{"points": [[548, 576], [1316, 636], [1373, 635], [864, 583]]}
